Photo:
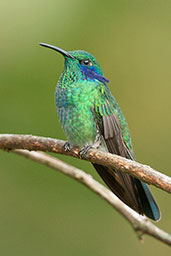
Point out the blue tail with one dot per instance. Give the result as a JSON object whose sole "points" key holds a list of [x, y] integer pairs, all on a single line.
{"points": [[148, 203]]}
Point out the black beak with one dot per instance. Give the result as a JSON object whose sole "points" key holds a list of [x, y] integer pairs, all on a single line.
{"points": [[63, 52]]}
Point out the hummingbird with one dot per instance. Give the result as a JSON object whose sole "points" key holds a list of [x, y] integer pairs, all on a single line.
{"points": [[91, 118]]}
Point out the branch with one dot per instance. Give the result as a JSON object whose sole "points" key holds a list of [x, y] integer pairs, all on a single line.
{"points": [[139, 223], [140, 171]]}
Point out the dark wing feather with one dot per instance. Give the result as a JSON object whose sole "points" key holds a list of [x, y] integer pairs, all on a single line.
{"points": [[120, 183], [130, 190]]}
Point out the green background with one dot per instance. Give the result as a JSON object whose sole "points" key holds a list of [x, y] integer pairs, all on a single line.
{"points": [[43, 212]]}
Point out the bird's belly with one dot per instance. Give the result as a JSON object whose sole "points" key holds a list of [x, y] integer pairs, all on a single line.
{"points": [[78, 124]]}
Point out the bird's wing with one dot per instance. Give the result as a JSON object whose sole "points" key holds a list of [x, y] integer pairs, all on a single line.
{"points": [[113, 128], [109, 126]]}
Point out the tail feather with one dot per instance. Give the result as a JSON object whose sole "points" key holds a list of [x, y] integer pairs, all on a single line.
{"points": [[148, 203], [126, 192], [142, 202]]}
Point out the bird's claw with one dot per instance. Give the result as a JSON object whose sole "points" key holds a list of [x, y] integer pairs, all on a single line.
{"points": [[84, 151], [66, 146]]}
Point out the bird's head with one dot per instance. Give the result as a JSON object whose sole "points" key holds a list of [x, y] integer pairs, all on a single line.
{"points": [[80, 65]]}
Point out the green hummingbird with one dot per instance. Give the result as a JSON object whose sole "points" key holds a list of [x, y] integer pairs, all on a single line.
{"points": [[91, 117]]}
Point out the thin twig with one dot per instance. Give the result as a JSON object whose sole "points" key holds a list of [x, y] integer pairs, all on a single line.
{"points": [[140, 171], [139, 223]]}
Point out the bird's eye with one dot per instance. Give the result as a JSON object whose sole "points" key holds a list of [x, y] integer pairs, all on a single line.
{"points": [[85, 62]]}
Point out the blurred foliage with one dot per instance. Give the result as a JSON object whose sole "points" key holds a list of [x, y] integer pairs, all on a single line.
{"points": [[46, 213]]}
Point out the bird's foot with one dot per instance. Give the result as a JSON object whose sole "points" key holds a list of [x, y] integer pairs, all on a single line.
{"points": [[66, 146], [84, 150]]}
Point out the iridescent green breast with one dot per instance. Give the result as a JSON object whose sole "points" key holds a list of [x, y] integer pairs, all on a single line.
{"points": [[74, 107]]}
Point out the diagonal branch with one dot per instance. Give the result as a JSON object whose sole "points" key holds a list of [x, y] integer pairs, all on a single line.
{"points": [[140, 171], [140, 224]]}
